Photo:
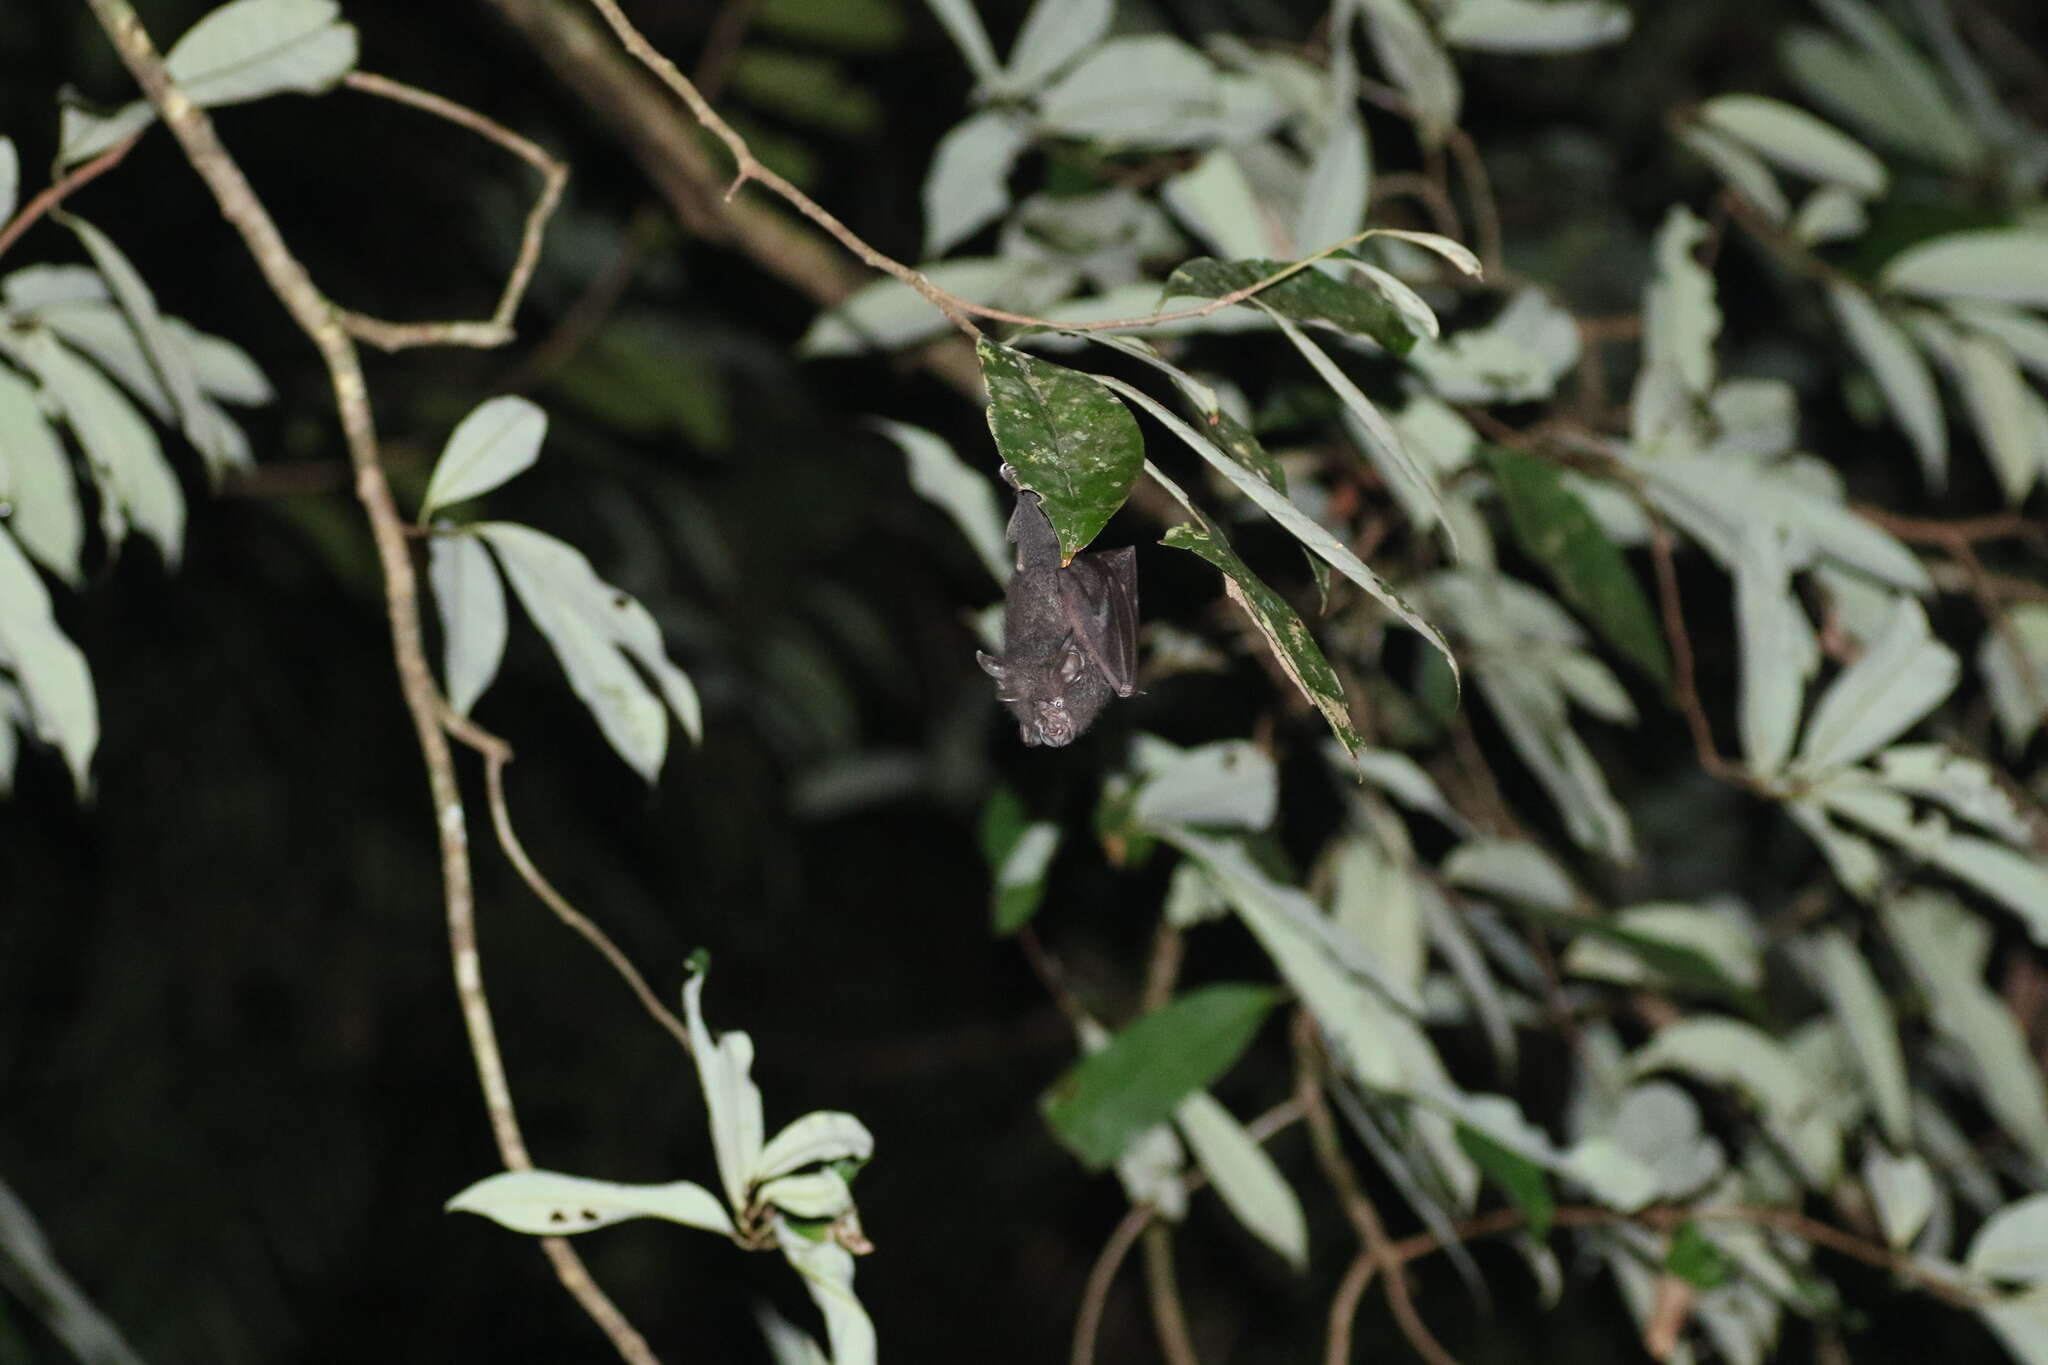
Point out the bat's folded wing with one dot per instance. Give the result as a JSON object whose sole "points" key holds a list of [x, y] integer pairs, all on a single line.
{"points": [[1100, 595]]}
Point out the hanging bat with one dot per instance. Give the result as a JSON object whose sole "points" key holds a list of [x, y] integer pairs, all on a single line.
{"points": [[1070, 634]]}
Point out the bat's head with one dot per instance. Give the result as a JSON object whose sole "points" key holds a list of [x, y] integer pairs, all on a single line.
{"points": [[1045, 697]]}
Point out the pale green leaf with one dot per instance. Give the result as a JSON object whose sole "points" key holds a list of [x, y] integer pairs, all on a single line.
{"points": [[1516, 358], [1902, 677], [1888, 89], [1230, 783], [1680, 322], [1219, 205], [2001, 264], [1902, 376], [10, 178], [1246, 1179], [827, 1271], [1902, 1187], [1743, 169], [36, 481], [167, 353], [1512, 870], [50, 672], [123, 451], [968, 187], [594, 629], [470, 598], [1457, 253], [964, 26], [2003, 411], [1831, 213], [1744, 1057], [1779, 651], [498, 439], [1333, 199], [1865, 1017], [1148, 90], [1534, 26], [2016, 678], [1795, 140], [724, 1066], [888, 314], [244, 50], [810, 1195], [940, 477], [1055, 32], [1413, 60], [820, 1137], [2013, 1243], [551, 1205]]}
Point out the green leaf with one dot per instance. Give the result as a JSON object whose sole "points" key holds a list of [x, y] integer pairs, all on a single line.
{"points": [[1231, 783], [1796, 140], [1555, 529], [1522, 1179], [1298, 523], [2016, 681], [1888, 89], [827, 1271], [1414, 61], [1246, 1179], [1516, 358], [1743, 169], [1306, 296], [550, 1205], [1217, 202], [1902, 1187], [38, 484], [1902, 377], [1696, 1260], [497, 440], [470, 598], [245, 50], [52, 674], [1333, 200], [2005, 412], [2001, 264], [2012, 1246], [1107, 1099], [1294, 648], [1068, 441], [595, 629]]}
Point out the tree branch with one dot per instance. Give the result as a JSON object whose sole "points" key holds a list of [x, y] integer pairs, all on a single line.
{"points": [[63, 189], [320, 321]]}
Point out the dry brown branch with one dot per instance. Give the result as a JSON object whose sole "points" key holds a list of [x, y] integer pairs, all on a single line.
{"points": [[1169, 1318], [319, 320], [1088, 1323], [1344, 1305], [497, 330], [62, 189]]}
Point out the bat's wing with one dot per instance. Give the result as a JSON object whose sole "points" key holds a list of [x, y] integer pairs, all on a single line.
{"points": [[1099, 593]]}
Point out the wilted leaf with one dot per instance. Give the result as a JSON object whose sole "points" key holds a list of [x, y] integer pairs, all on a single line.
{"points": [[551, 1205]]}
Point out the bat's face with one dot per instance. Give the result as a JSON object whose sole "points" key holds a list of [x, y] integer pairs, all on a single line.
{"points": [[1053, 700]]}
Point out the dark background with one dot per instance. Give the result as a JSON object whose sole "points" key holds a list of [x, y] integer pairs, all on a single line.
{"points": [[233, 1082]]}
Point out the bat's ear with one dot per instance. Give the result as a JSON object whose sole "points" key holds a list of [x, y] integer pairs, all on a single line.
{"points": [[1073, 663], [989, 665]]}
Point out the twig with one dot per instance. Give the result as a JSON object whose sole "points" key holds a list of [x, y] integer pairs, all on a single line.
{"points": [[1344, 1306], [63, 189], [588, 314], [1344, 1182], [1934, 531], [319, 320], [397, 336], [1053, 978], [496, 755], [959, 311], [1096, 1296], [1169, 1319], [1684, 688]]}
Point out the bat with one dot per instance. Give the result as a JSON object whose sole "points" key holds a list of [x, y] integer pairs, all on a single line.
{"points": [[1070, 633]]}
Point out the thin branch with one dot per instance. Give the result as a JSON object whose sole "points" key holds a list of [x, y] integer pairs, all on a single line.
{"points": [[318, 319], [1350, 1192], [497, 330], [1344, 1306], [496, 755], [1096, 1296], [1168, 1316], [1684, 686], [63, 189], [959, 311], [592, 308]]}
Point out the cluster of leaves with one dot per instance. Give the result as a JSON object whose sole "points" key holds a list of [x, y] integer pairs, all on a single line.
{"points": [[1878, 1021]]}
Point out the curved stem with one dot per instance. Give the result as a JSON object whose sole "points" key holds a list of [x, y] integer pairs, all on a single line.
{"points": [[63, 189]]}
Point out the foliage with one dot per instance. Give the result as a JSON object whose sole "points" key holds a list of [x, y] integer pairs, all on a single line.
{"points": [[1586, 598]]}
